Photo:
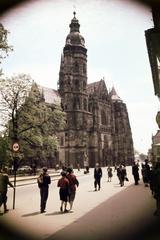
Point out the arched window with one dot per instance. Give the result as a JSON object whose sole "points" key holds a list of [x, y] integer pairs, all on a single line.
{"points": [[62, 141], [84, 68], [84, 85], [76, 67], [76, 103], [103, 118], [69, 81], [85, 104], [90, 107]]}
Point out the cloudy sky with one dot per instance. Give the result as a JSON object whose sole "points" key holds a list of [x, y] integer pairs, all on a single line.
{"points": [[114, 36]]}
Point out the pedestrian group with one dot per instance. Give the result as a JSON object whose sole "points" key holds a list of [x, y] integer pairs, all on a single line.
{"points": [[68, 183]]}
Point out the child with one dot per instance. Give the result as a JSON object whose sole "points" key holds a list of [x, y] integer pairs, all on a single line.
{"points": [[110, 175], [63, 183]]}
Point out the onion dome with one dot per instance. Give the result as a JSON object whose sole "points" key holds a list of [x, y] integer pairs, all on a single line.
{"points": [[74, 37]]}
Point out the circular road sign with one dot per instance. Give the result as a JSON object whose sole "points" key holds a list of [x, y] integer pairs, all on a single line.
{"points": [[15, 147]]}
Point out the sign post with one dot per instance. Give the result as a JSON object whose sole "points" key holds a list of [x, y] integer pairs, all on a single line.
{"points": [[15, 149]]}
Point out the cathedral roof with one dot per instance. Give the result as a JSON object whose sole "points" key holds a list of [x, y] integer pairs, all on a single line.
{"points": [[156, 138], [74, 37], [51, 96], [97, 87], [114, 96]]}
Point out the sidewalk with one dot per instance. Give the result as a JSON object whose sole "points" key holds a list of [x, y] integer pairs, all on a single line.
{"points": [[110, 214], [128, 215]]}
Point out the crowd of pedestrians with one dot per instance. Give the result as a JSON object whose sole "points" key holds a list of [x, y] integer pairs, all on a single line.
{"points": [[151, 178], [68, 183]]}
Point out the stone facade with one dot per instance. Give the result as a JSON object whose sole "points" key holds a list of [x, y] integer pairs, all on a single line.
{"points": [[97, 126]]}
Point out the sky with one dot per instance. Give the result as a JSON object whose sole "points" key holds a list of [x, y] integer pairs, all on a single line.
{"points": [[115, 40]]}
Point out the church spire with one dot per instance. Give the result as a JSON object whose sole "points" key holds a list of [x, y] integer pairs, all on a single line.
{"points": [[114, 96], [74, 26], [74, 37]]}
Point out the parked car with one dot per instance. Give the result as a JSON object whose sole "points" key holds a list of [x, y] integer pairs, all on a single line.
{"points": [[25, 169]]}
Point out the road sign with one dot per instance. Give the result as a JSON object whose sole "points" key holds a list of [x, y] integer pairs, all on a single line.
{"points": [[15, 147]]}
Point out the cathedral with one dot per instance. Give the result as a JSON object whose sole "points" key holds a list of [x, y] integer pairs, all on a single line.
{"points": [[97, 124]]}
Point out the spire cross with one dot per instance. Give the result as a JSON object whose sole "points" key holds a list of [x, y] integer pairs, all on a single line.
{"points": [[74, 13]]}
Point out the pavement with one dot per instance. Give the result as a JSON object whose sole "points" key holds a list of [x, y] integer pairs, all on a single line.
{"points": [[128, 215], [112, 213]]}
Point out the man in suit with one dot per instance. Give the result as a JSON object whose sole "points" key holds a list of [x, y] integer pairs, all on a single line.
{"points": [[43, 183], [97, 176]]}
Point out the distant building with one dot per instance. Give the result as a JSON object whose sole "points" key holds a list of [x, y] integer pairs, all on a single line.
{"points": [[153, 46], [97, 126], [156, 147]]}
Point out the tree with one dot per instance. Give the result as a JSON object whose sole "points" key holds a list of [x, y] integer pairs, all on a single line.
{"points": [[32, 121], [13, 92], [4, 47], [4, 153], [142, 157], [39, 124]]}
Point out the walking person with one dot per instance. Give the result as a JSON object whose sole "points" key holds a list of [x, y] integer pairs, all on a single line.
{"points": [[97, 177], [156, 188], [4, 182], [63, 183], [73, 184], [43, 183], [135, 172], [122, 174], [110, 175], [146, 173], [78, 166]]}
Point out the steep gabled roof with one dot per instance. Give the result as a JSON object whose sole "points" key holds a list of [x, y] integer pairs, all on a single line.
{"points": [[97, 87], [114, 96], [51, 96]]}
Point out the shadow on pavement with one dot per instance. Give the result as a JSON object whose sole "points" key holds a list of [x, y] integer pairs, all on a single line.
{"points": [[31, 214], [54, 213], [128, 215], [93, 191]]}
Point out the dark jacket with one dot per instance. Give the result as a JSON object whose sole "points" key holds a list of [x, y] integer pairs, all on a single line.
{"points": [[97, 173], [4, 182], [43, 180]]}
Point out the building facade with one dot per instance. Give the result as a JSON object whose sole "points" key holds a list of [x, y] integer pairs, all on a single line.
{"points": [[97, 124]]}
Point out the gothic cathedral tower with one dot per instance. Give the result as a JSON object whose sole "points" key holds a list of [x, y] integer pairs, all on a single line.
{"points": [[73, 92]]}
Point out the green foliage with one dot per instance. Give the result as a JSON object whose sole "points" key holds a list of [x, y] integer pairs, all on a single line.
{"points": [[38, 124], [31, 120], [13, 93], [4, 153], [4, 47]]}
